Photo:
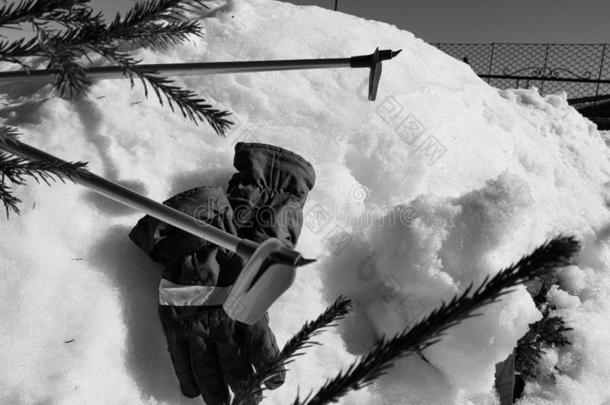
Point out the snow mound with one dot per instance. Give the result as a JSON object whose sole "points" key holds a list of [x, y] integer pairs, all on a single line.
{"points": [[440, 182]]}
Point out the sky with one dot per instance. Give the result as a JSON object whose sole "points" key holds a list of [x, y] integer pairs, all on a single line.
{"points": [[479, 21], [556, 21]]}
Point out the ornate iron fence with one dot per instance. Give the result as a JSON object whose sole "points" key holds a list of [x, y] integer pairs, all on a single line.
{"points": [[581, 70]]}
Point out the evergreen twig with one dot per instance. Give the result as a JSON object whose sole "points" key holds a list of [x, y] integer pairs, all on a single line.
{"points": [[548, 332], [9, 200], [16, 169], [190, 105], [153, 11], [157, 24], [11, 51], [545, 333], [13, 13], [69, 33], [555, 253], [294, 347]]}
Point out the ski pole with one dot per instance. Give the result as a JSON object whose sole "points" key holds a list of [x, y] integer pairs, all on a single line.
{"points": [[243, 247], [372, 61]]}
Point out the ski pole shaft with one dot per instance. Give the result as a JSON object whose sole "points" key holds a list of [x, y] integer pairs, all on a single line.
{"points": [[209, 68], [116, 192], [186, 69]]}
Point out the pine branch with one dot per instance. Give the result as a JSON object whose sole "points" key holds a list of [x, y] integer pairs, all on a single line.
{"points": [[161, 36], [546, 333], [8, 134], [43, 14], [294, 347], [543, 334], [76, 38], [17, 169], [10, 201], [28, 10], [11, 51], [191, 106], [154, 10], [154, 23], [71, 78], [157, 24], [555, 253]]}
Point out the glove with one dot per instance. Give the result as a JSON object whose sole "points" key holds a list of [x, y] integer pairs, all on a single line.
{"points": [[209, 351], [267, 196], [268, 193]]}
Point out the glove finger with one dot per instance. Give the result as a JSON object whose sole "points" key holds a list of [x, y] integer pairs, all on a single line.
{"points": [[207, 371], [234, 363], [179, 354], [200, 329], [235, 366], [262, 349]]}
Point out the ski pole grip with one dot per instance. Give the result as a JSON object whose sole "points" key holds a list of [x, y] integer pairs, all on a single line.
{"points": [[369, 61]]}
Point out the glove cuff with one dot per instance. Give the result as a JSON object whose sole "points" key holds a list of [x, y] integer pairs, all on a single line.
{"points": [[272, 168]]}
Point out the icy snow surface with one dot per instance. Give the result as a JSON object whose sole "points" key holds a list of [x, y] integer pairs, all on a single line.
{"points": [[440, 182]]}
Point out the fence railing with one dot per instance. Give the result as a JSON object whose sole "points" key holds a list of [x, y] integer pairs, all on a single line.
{"points": [[581, 70]]}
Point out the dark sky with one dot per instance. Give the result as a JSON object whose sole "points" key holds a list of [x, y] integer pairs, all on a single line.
{"points": [[557, 21]]}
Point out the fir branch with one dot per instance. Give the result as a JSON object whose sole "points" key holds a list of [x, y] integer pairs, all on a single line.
{"points": [[9, 200], [17, 169], [8, 134], [543, 334], [191, 106], [155, 23], [27, 10], [161, 36], [63, 52], [555, 253], [42, 13], [154, 10], [10, 51], [76, 39], [548, 332], [71, 78], [294, 347], [303, 338]]}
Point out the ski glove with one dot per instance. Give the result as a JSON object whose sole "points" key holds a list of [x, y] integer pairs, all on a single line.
{"points": [[211, 352], [269, 191]]}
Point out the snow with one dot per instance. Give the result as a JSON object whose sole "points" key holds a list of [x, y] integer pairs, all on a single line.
{"points": [[440, 182]]}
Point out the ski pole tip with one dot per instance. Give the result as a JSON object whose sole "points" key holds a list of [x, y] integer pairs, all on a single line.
{"points": [[304, 262]]}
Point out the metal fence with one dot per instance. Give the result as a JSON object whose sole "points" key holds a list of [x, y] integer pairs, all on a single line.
{"points": [[581, 70]]}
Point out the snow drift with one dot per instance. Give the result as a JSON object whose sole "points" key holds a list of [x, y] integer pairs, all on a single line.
{"points": [[439, 183]]}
